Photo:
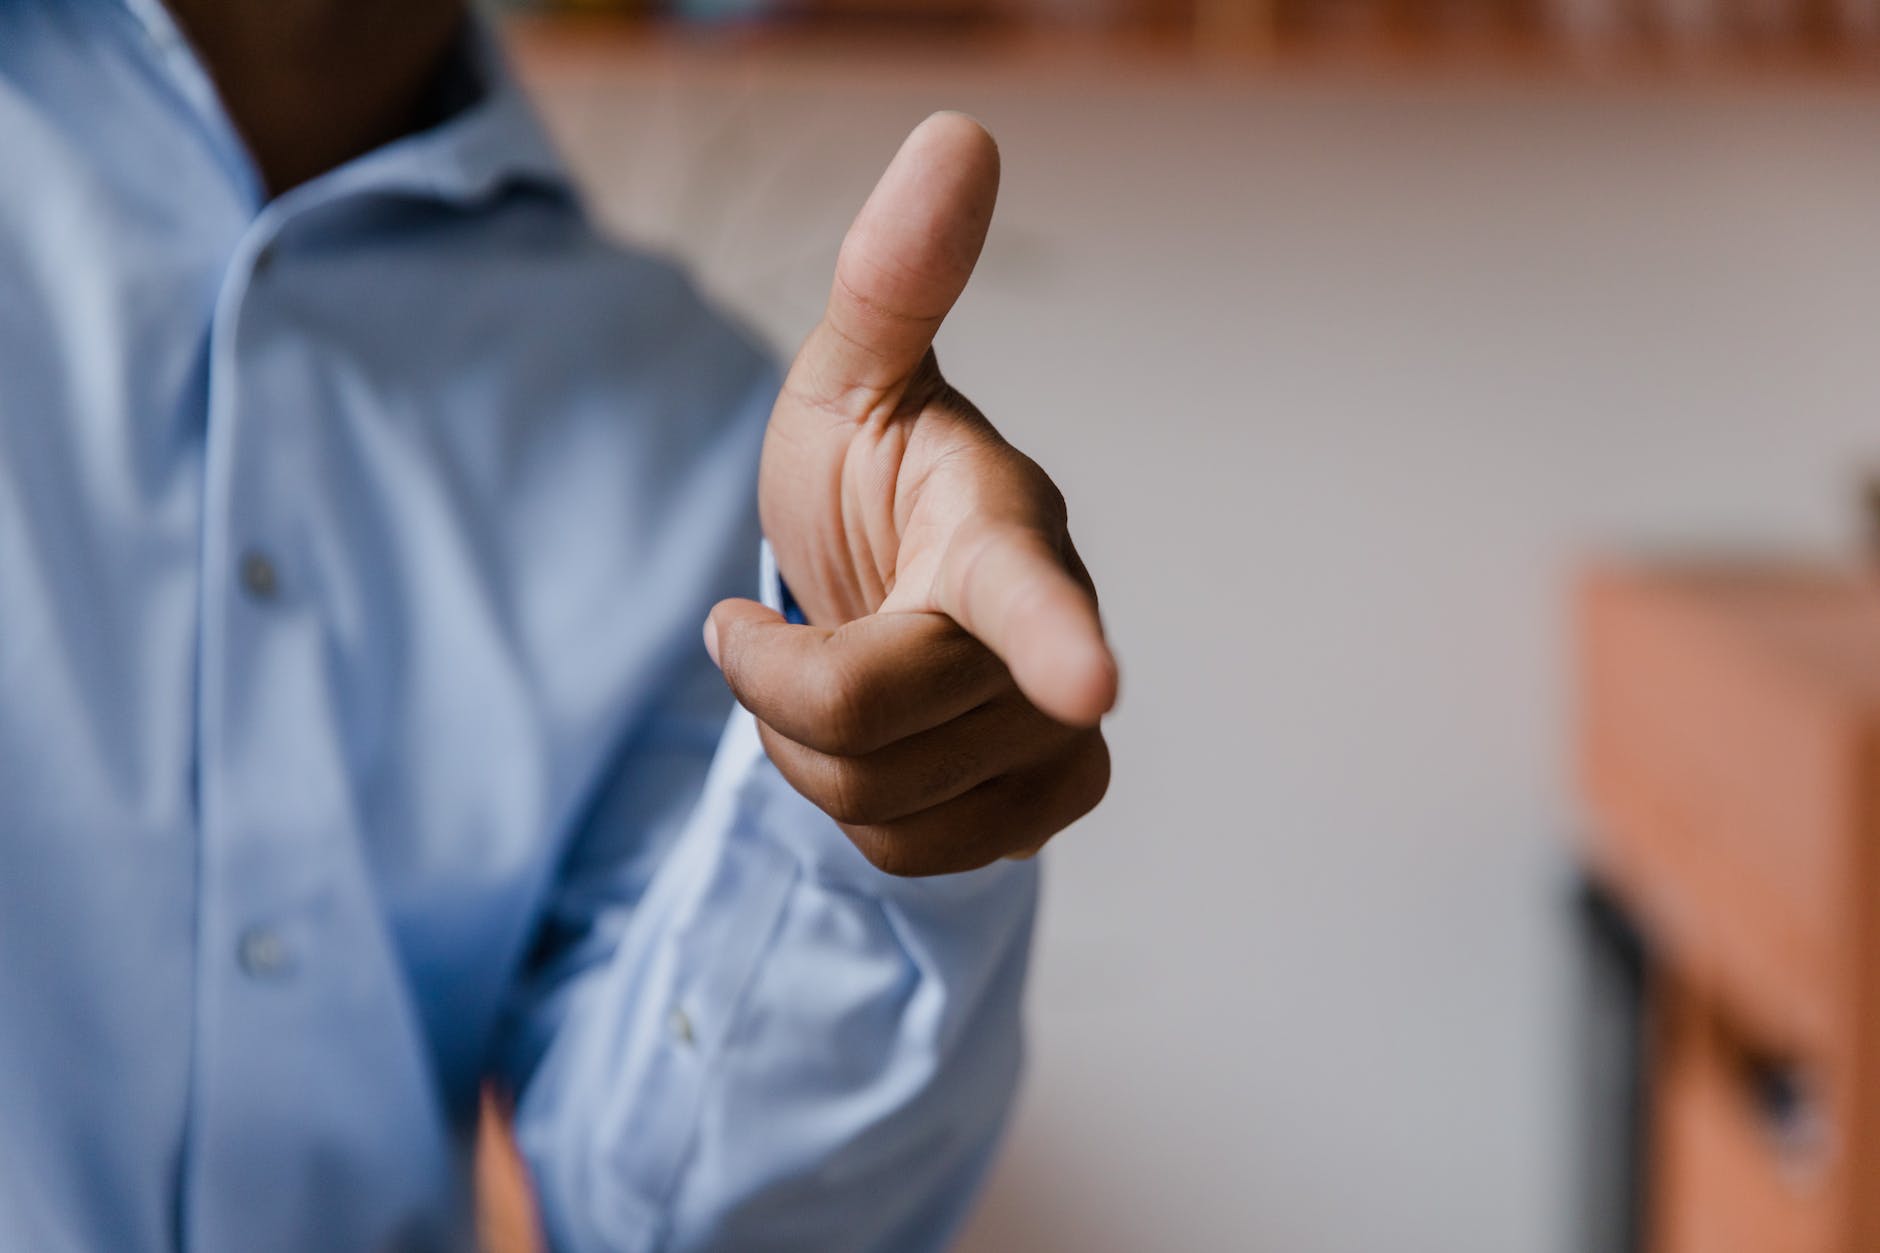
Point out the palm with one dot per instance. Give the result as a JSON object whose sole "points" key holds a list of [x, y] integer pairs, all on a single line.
{"points": [[877, 540]]}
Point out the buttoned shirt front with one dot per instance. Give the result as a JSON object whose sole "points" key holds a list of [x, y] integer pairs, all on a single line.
{"points": [[356, 742]]}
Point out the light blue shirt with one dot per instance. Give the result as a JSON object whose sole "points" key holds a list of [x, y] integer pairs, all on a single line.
{"points": [[357, 744]]}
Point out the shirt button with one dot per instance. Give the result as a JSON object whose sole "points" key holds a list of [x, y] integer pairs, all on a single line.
{"points": [[259, 576], [262, 954], [680, 1024]]}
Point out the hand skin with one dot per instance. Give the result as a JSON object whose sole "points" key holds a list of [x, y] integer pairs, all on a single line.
{"points": [[943, 703]]}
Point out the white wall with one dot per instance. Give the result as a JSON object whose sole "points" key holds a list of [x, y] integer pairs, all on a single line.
{"points": [[1340, 377]]}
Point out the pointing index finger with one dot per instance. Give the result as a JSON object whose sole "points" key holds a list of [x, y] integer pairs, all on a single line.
{"points": [[1010, 587]]}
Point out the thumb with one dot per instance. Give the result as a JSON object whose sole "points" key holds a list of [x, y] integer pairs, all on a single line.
{"points": [[904, 262]]}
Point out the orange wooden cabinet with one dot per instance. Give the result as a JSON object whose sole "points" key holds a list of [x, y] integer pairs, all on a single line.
{"points": [[1730, 757]]}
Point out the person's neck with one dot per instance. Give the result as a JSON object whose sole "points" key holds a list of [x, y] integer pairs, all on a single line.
{"points": [[310, 84]]}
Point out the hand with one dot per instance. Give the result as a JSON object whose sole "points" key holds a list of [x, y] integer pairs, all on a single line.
{"points": [[943, 703]]}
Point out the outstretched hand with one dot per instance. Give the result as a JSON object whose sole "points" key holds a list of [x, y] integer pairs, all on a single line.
{"points": [[943, 702]]}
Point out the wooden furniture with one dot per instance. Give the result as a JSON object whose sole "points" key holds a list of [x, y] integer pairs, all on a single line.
{"points": [[1525, 34], [1730, 752]]}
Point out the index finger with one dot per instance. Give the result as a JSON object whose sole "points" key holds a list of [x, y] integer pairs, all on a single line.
{"points": [[1010, 586]]}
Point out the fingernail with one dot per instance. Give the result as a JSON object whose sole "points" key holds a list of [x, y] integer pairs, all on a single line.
{"points": [[711, 641]]}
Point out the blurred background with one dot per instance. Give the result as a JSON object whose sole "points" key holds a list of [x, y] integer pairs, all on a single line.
{"points": [[1354, 330]]}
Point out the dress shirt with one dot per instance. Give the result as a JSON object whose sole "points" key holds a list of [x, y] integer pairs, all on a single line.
{"points": [[357, 743]]}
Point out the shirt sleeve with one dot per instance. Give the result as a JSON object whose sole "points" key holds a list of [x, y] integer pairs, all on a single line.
{"points": [[756, 1040]]}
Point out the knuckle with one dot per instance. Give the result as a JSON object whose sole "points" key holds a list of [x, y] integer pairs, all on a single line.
{"points": [[1094, 778], [1042, 490], [883, 851], [849, 793], [844, 710], [1077, 785], [736, 659], [946, 773], [963, 664], [896, 852], [846, 790]]}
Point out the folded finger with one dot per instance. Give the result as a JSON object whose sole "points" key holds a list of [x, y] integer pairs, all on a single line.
{"points": [[858, 687], [1012, 814], [923, 770]]}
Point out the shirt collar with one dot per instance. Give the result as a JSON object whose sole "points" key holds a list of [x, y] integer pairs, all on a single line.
{"points": [[490, 142]]}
